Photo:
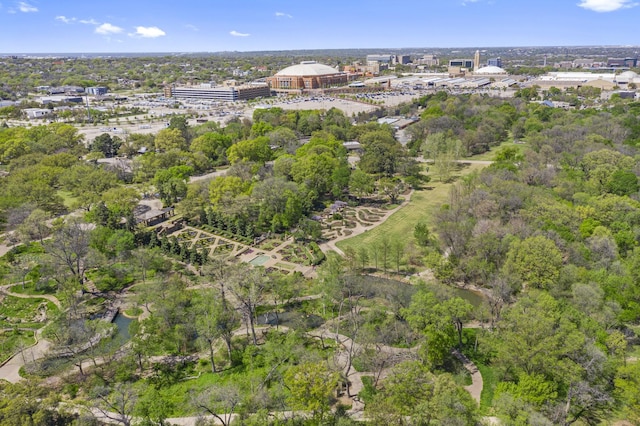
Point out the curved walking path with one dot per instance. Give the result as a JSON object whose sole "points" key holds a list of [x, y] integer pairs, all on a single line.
{"points": [[360, 229], [208, 176], [49, 297], [10, 371], [421, 159]]}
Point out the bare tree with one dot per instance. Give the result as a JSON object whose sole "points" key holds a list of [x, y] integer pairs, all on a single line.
{"points": [[69, 248], [500, 295], [219, 402], [248, 286], [114, 403]]}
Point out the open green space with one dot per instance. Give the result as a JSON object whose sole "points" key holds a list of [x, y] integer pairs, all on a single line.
{"points": [[25, 312], [32, 289], [423, 204], [11, 341], [488, 389], [68, 199]]}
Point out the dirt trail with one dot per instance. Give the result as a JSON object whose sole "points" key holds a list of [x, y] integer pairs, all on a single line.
{"points": [[49, 297], [475, 388]]}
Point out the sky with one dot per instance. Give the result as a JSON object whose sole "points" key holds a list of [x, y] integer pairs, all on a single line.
{"points": [[88, 26]]}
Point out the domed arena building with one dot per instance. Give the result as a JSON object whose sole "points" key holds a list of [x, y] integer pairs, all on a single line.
{"points": [[307, 75], [490, 70]]}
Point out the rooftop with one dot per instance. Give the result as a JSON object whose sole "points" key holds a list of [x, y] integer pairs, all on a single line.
{"points": [[308, 68], [490, 70]]}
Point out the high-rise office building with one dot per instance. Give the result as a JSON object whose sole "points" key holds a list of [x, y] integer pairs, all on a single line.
{"points": [[495, 62]]}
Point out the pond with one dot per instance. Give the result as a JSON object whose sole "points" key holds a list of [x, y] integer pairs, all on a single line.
{"points": [[259, 260], [122, 324], [476, 298], [402, 292]]}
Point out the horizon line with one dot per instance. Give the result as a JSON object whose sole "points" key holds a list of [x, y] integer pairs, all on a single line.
{"points": [[2, 54]]}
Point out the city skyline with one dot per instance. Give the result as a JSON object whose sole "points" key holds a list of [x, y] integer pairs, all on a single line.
{"points": [[198, 26]]}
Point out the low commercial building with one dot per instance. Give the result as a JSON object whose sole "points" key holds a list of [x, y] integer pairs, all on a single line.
{"points": [[33, 113], [64, 89], [401, 59], [461, 63], [380, 58], [59, 99], [97, 91], [505, 83], [429, 61], [622, 62], [218, 93], [385, 80]]}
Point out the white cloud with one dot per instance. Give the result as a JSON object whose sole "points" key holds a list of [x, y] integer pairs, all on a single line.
{"points": [[107, 28], [148, 32], [64, 19], [606, 5], [238, 34], [283, 15], [26, 7], [89, 21], [192, 27]]}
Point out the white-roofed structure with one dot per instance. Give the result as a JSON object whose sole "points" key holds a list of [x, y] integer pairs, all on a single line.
{"points": [[577, 76], [307, 75], [308, 68], [490, 70], [379, 81], [628, 77], [504, 83]]}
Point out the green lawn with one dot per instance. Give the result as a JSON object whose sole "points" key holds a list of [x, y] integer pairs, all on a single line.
{"points": [[69, 201], [489, 385], [24, 312], [12, 340], [30, 288], [399, 226]]}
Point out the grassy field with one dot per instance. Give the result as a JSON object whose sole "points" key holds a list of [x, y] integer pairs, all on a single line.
{"points": [[68, 199], [489, 382], [12, 341], [29, 288], [399, 226], [24, 312]]}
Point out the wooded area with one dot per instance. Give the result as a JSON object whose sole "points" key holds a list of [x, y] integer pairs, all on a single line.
{"points": [[522, 265]]}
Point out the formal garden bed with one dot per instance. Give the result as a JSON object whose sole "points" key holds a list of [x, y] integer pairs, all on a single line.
{"points": [[269, 244]]}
